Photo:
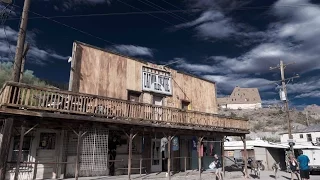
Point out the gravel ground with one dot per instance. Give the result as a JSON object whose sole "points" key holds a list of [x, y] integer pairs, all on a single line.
{"points": [[193, 175]]}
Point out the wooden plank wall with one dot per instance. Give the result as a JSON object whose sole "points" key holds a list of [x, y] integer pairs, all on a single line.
{"points": [[103, 73]]}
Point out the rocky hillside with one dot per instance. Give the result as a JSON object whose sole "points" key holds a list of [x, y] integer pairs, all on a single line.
{"points": [[267, 123]]}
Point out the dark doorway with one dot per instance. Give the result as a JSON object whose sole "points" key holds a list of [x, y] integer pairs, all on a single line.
{"points": [[134, 96]]}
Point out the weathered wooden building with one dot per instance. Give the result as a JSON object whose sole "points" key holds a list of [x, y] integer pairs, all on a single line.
{"points": [[120, 116]]}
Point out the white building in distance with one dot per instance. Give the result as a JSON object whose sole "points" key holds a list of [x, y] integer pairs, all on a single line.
{"points": [[241, 98], [307, 136]]}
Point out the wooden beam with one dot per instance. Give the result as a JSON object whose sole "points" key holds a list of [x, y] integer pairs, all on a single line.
{"points": [[243, 138], [77, 166], [199, 155], [122, 121], [23, 129], [5, 145], [169, 156], [222, 156], [130, 154]]}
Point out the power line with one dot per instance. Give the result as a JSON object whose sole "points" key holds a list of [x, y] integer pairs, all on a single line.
{"points": [[164, 11], [153, 5], [71, 27], [146, 13]]}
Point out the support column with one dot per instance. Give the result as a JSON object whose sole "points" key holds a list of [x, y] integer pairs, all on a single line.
{"points": [[222, 155], [169, 157], [77, 167], [130, 155], [5, 145], [131, 136], [199, 155], [245, 156], [16, 173]]}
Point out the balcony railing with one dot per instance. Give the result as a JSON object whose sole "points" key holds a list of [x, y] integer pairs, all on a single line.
{"points": [[30, 97]]}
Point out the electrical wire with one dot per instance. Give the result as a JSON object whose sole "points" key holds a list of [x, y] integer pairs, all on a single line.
{"points": [[71, 27], [146, 13], [166, 11], [108, 14], [155, 6]]}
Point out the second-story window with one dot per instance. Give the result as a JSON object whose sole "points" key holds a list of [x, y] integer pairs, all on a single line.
{"points": [[134, 96], [309, 138], [158, 100], [301, 136], [184, 105]]}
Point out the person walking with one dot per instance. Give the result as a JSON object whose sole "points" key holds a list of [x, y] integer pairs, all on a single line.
{"points": [[293, 166], [304, 166], [218, 167]]}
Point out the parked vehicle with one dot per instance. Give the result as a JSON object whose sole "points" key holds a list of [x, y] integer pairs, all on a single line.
{"points": [[314, 156]]}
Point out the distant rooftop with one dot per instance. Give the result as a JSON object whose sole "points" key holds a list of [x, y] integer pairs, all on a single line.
{"points": [[313, 128], [241, 96]]}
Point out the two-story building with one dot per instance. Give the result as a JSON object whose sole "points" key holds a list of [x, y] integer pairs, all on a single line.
{"points": [[308, 136], [120, 116]]}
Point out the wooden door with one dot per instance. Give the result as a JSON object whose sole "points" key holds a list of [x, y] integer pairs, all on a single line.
{"points": [[158, 101], [156, 157], [46, 155]]}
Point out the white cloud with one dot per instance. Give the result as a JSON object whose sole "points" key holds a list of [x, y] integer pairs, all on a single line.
{"points": [[227, 83], [133, 50], [312, 94], [35, 54]]}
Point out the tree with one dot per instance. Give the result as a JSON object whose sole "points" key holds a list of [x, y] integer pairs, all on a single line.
{"points": [[28, 76]]}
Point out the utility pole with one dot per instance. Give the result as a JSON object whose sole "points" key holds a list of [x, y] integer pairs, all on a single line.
{"points": [[21, 41], [8, 123], [284, 98], [25, 51], [307, 117]]}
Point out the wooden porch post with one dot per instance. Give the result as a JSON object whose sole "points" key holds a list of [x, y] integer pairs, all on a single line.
{"points": [[222, 156], [130, 155], [199, 155], [169, 157], [245, 156], [5, 145], [77, 167], [131, 136], [16, 173]]}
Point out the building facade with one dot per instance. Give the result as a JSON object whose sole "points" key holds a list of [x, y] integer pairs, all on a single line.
{"points": [[307, 136], [241, 98], [120, 116]]}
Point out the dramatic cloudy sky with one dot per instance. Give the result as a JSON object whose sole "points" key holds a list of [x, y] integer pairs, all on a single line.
{"points": [[230, 42]]}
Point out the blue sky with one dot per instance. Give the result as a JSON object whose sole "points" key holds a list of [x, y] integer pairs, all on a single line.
{"points": [[230, 42]]}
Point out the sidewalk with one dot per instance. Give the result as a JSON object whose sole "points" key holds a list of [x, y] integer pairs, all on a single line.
{"points": [[194, 175]]}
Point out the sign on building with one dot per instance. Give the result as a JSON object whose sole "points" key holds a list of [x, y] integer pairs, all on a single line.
{"points": [[157, 81]]}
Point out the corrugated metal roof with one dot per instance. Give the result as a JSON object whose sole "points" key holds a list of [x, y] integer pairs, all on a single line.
{"points": [[236, 145]]}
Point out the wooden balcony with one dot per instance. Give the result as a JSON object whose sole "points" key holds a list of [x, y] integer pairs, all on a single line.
{"points": [[39, 99]]}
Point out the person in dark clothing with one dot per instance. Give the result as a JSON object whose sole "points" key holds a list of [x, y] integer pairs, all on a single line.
{"points": [[217, 162], [113, 142]]}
